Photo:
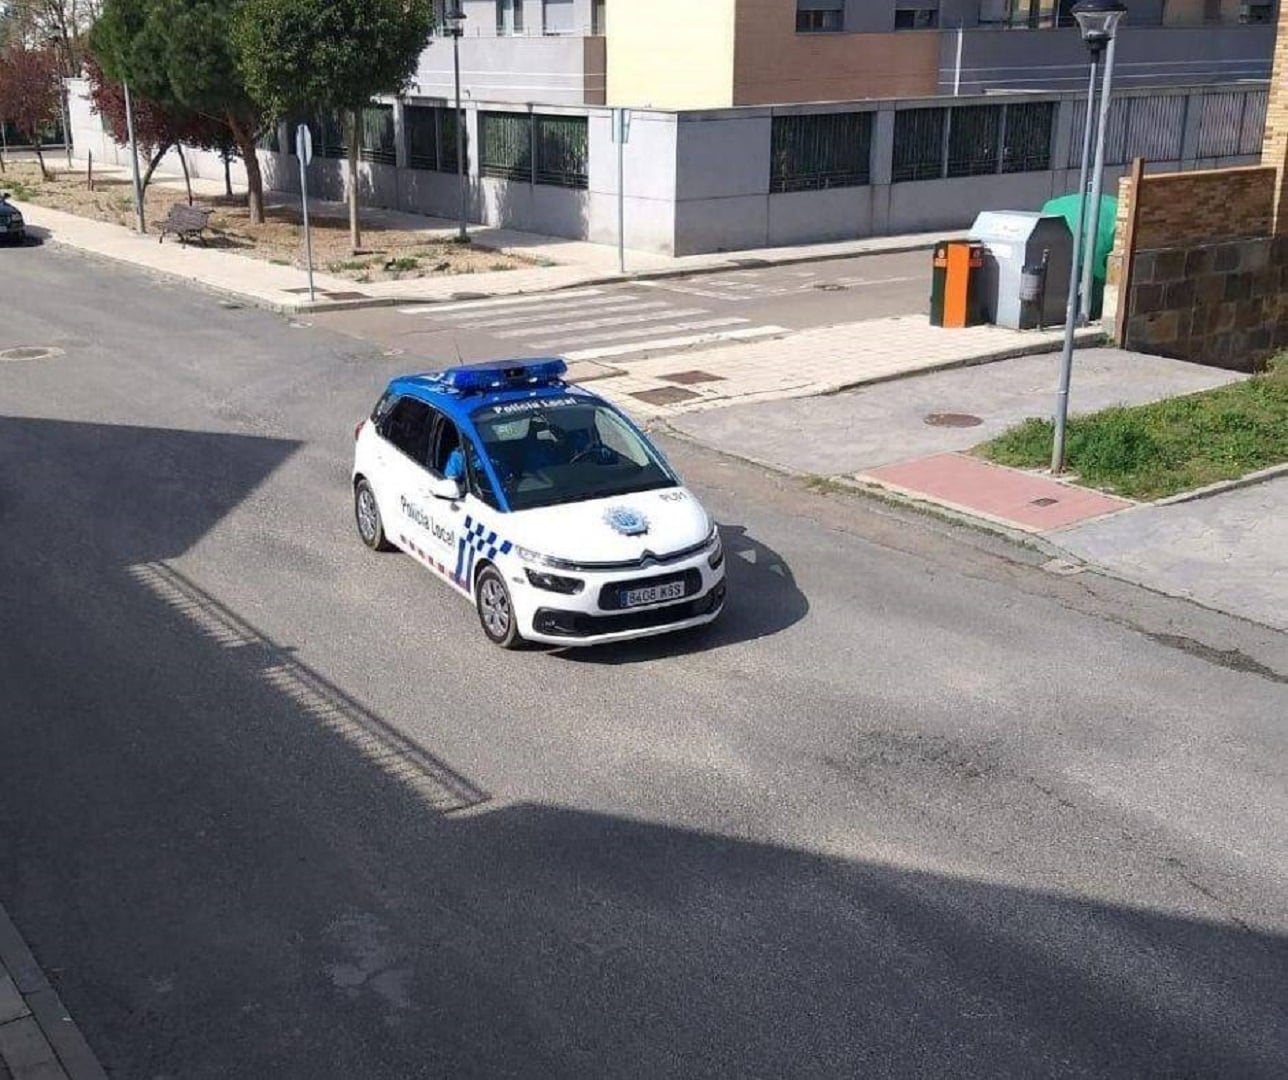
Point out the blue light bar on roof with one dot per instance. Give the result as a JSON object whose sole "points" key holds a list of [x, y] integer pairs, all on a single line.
{"points": [[504, 375]]}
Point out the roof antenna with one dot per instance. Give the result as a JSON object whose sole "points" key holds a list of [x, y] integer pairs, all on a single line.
{"points": [[457, 346]]}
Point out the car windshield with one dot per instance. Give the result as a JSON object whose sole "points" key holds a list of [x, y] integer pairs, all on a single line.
{"points": [[560, 450]]}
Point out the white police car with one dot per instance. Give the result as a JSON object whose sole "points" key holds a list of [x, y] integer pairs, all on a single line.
{"points": [[537, 500]]}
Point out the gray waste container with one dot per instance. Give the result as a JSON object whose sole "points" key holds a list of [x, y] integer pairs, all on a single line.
{"points": [[1025, 277]]}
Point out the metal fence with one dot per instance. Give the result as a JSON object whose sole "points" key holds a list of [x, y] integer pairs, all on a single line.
{"points": [[1152, 128], [562, 151], [537, 149], [812, 153], [1231, 123], [505, 145], [972, 140], [431, 138], [377, 139]]}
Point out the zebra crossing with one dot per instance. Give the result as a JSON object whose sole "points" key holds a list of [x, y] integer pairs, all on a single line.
{"points": [[594, 323]]}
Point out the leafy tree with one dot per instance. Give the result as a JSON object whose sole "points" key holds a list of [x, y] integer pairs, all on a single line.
{"points": [[29, 94], [156, 128], [178, 55], [299, 56]]}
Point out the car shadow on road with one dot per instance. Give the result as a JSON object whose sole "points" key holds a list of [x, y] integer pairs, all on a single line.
{"points": [[763, 600]]}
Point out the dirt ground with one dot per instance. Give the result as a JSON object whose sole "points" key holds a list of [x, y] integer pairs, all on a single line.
{"points": [[388, 254]]}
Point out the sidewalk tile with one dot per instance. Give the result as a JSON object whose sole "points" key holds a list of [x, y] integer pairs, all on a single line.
{"points": [[11, 1004], [27, 1053], [1025, 500]]}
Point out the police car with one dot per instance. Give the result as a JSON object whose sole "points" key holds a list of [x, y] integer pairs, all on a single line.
{"points": [[538, 501]]}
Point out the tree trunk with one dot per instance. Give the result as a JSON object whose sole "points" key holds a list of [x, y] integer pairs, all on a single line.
{"points": [[228, 173], [183, 162], [355, 232], [40, 157], [254, 178], [152, 165]]}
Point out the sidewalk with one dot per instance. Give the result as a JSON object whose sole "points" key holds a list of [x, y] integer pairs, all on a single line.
{"points": [[909, 440], [38, 1040], [285, 288]]}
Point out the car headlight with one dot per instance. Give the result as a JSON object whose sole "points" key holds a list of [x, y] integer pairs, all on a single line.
{"points": [[553, 582], [715, 553], [537, 559]]}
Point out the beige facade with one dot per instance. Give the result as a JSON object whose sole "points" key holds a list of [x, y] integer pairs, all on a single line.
{"points": [[671, 54], [701, 54]]}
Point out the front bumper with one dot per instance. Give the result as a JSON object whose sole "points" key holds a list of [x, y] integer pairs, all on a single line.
{"points": [[589, 617]]}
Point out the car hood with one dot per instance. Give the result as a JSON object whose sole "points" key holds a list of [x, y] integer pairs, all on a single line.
{"points": [[592, 532]]}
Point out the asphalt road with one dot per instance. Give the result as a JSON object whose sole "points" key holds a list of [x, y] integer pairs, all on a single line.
{"points": [[271, 806], [632, 321]]}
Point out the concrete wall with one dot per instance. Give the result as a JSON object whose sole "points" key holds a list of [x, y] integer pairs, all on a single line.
{"points": [[553, 70], [1146, 56], [699, 181], [671, 54]]}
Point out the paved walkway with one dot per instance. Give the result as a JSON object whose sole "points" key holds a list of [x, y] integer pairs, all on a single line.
{"points": [[284, 288], [38, 1040], [1229, 551], [805, 364]]}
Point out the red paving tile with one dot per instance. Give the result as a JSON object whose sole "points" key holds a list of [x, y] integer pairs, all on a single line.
{"points": [[994, 491]]}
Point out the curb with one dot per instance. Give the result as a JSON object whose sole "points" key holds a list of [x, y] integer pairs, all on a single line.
{"points": [[1221, 486], [44, 1040], [296, 307]]}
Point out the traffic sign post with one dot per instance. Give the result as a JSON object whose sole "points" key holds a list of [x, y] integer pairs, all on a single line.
{"points": [[304, 151], [621, 136]]}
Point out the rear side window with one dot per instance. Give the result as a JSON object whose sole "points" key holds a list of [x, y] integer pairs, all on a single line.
{"points": [[383, 406], [407, 426]]}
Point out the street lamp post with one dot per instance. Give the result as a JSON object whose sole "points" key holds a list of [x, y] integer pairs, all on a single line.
{"points": [[1105, 23], [454, 17], [1097, 19]]}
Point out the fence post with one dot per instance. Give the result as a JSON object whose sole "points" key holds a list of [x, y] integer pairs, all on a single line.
{"points": [[1128, 256]]}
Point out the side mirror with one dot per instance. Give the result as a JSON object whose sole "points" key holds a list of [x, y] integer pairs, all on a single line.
{"points": [[445, 489]]}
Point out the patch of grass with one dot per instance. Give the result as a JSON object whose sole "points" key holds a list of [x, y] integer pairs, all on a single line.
{"points": [[500, 266], [1152, 451], [20, 191], [280, 262], [403, 263], [348, 264]]}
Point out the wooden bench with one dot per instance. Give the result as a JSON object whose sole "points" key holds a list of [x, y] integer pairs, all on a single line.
{"points": [[186, 222]]}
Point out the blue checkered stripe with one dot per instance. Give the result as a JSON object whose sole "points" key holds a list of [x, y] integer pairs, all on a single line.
{"points": [[477, 540]]}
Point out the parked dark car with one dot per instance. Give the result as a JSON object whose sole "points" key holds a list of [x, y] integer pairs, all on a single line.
{"points": [[13, 229]]}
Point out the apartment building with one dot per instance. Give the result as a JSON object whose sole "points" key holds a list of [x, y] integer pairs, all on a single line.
{"points": [[686, 54]]}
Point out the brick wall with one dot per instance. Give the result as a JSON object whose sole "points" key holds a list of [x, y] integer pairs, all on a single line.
{"points": [[1223, 304], [1177, 209], [1274, 147]]}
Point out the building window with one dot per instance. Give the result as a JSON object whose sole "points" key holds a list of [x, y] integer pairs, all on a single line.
{"points": [[813, 153], [599, 17], [820, 16], [1257, 12], [558, 17], [916, 16], [509, 17]]}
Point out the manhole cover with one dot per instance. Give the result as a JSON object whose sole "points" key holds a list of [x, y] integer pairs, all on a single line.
{"points": [[30, 352], [953, 419]]}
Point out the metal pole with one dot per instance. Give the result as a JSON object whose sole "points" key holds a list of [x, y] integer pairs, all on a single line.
{"points": [[619, 118], [67, 133], [1097, 180], [304, 206], [134, 161], [957, 68], [1071, 305], [462, 236]]}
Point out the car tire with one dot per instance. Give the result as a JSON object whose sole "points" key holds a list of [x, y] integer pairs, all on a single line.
{"points": [[496, 611], [366, 515]]}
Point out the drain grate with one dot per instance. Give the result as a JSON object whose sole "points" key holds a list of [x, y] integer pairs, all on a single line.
{"points": [[30, 352], [952, 419]]}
